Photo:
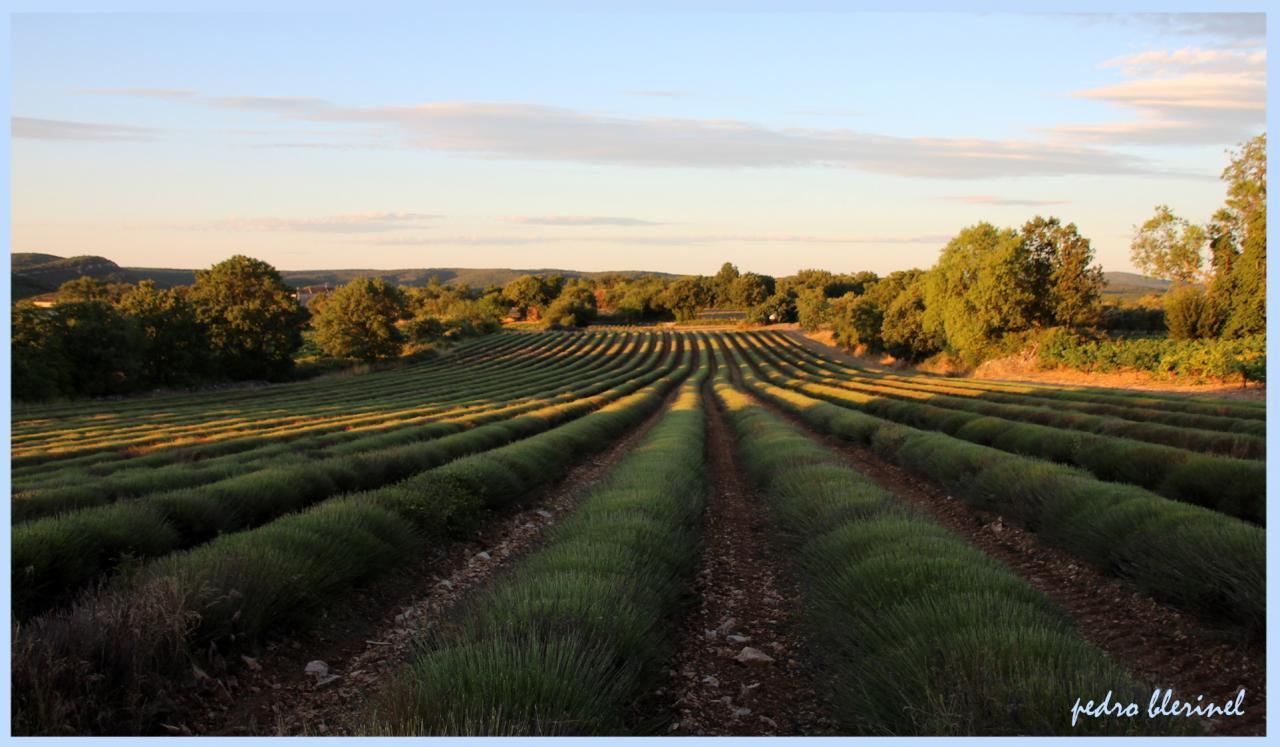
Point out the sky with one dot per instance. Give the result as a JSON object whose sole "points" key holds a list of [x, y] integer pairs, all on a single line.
{"points": [[668, 141]]}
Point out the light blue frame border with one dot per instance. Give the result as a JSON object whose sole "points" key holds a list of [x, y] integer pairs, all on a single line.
{"points": [[497, 6]]}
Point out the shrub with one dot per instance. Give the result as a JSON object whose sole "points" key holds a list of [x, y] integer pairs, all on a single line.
{"points": [[1188, 313]]}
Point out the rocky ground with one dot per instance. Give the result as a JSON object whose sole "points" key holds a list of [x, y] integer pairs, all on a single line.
{"points": [[740, 669]]}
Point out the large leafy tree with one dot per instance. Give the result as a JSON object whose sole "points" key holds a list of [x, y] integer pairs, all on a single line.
{"points": [[574, 307], [750, 290], [531, 294], [1246, 213], [103, 348], [1169, 247], [1068, 287], [903, 331], [41, 368], [979, 289], [174, 344], [253, 321], [685, 297], [84, 288], [722, 283], [358, 320]]}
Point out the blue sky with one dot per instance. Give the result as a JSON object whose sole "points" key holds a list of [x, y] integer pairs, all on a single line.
{"points": [[662, 140]]}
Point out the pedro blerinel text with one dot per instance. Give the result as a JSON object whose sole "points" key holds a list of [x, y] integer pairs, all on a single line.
{"points": [[1162, 703]]}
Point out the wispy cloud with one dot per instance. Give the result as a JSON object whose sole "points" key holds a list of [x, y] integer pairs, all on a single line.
{"points": [[660, 94], [148, 93], [578, 220], [829, 112], [32, 128], [284, 105], [535, 132], [346, 223], [1188, 96], [992, 200], [1234, 29], [667, 240], [546, 133], [1192, 59]]}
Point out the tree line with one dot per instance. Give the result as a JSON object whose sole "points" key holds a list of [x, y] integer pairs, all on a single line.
{"points": [[238, 321], [991, 290]]}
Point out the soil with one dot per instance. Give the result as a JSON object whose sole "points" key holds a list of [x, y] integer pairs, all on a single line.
{"points": [[367, 636], [1020, 369], [745, 599], [1156, 643]]}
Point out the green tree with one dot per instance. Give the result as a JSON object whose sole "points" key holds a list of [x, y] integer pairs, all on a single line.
{"points": [[750, 290], [685, 297], [979, 290], [531, 294], [254, 322], [813, 308], [1246, 177], [83, 288], [41, 367], [358, 320], [1169, 247], [903, 331], [574, 307], [858, 316], [1066, 283], [722, 283], [858, 322], [780, 308], [103, 347], [175, 345], [1188, 314]]}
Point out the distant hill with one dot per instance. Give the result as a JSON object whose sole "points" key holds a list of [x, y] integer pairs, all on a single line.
{"points": [[1132, 285], [34, 274]]}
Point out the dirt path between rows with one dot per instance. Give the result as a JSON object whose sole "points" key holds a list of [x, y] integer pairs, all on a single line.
{"points": [[739, 669], [1159, 645], [367, 636]]}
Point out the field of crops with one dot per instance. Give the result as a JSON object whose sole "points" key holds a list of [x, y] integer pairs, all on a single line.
{"points": [[956, 549]]}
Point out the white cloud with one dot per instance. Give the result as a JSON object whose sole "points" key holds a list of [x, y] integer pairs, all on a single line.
{"points": [[284, 105], [534, 132], [1185, 97], [346, 223], [1164, 62], [32, 128], [668, 240], [578, 220], [547, 133], [150, 93], [992, 200]]}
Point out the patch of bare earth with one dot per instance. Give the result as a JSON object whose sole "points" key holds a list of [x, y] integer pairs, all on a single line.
{"points": [[739, 668], [365, 637], [1012, 370], [1023, 369], [1157, 644]]}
